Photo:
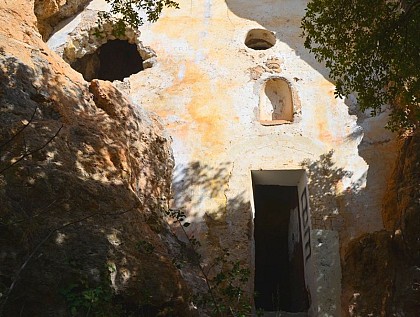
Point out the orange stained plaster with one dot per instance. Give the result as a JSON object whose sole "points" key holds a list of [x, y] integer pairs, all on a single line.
{"points": [[209, 108], [322, 114], [321, 119], [186, 27]]}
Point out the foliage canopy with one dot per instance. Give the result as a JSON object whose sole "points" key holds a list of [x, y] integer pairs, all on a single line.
{"points": [[125, 13], [372, 48]]}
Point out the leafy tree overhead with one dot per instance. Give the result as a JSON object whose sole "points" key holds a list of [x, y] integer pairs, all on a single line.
{"points": [[125, 13], [372, 49]]}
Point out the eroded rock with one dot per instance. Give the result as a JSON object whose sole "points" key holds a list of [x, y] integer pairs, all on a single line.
{"points": [[84, 182], [51, 12], [381, 270]]}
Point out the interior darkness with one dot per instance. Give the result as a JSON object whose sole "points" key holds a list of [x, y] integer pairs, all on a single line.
{"points": [[115, 60], [119, 59], [258, 44], [279, 278]]}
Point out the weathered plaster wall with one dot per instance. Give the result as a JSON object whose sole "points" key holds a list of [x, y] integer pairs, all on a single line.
{"points": [[206, 87], [202, 87]]}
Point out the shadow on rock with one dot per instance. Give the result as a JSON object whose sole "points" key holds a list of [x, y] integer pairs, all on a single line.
{"points": [[82, 191]]}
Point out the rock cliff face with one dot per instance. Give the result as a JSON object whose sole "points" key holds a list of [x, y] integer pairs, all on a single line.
{"points": [[382, 269], [50, 12], [85, 174], [84, 180]]}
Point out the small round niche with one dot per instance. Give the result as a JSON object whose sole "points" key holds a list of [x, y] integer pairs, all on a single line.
{"points": [[114, 60], [260, 39]]}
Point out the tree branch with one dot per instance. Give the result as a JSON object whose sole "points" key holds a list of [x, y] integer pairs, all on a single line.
{"points": [[206, 278], [408, 11], [31, 152], [38, 246], [21, 130]]}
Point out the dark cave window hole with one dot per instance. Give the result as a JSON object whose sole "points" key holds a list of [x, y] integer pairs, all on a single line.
{"points": [[114, 60], [260, 39]]}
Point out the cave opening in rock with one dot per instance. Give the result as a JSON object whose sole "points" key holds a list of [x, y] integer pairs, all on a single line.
{"points": [[114, 60], [279, 281], [260, 39]]}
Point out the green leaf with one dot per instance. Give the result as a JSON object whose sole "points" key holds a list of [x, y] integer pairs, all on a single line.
{"points": [[371, 48]]}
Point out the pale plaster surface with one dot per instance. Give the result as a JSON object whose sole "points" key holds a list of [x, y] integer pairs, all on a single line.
{"points": [[206, 87], [328, 272], [203, 90]]}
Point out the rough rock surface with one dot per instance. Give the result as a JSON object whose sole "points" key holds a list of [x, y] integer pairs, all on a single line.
{"points": [[382, 269], [84, 179], [51, 12]]}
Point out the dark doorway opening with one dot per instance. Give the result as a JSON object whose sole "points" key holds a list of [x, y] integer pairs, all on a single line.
{"points": [[115, 60], [279, 268]]}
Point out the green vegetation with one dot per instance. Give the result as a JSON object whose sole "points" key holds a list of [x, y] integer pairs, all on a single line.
{"points": [[372, 48], [124, 13], [145, 247], [83, 298], [225, 279]]}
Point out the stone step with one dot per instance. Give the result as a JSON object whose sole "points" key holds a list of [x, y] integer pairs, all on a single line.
{"points": [[284, 314]]}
